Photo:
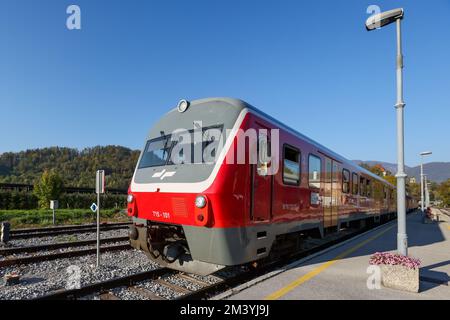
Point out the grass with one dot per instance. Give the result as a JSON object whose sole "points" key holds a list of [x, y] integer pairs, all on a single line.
{"points": [[42, 218]]}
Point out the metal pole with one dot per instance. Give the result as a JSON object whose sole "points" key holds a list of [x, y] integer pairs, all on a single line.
{"points": [[421, 184], [427, 194], [98, 229], [53, 215], [402, 238]]}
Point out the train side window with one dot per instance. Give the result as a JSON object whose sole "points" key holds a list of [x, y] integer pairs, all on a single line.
{"points": [[345, 181], [368, 188], [314, 171], [354, 183], [362, 186], [291, 166]]}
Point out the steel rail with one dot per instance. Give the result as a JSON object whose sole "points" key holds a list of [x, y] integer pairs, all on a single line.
{"points": [[61, 255], [67, 227], [28, 235], [130, 280], [51, 246]]}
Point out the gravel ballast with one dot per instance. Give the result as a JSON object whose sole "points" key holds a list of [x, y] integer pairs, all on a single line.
{"points": [[39, 279]]}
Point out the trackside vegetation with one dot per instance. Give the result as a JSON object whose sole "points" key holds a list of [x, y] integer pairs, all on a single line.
{"points": [[30, 218]]}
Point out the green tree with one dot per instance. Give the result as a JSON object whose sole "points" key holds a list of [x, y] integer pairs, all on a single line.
{"points": [[414, 190], [391, 180], [49, 187], [443, 192]]}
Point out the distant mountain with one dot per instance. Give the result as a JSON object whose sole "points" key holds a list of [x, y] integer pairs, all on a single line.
{"points": [[436, 171], [392, 167]]}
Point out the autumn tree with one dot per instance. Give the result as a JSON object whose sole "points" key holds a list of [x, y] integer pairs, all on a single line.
{"points": [[391, 180], [49, 187], [443, 192]]}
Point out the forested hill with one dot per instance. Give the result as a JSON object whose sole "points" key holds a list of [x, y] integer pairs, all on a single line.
{"points": [[77, 168]]}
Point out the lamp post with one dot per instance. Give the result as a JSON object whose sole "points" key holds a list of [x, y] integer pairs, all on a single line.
{"points": [[375, 22], [427, 193], [422, 154]]}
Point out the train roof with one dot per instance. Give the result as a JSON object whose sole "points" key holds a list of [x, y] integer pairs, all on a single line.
{"points": [[244, 105]]}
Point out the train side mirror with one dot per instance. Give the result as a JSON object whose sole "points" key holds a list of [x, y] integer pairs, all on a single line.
{"points": [[263, 169], [263, 157]]}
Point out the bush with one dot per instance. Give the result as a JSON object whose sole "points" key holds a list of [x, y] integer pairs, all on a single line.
{"points": [[84, 200], [17, 200], [22, 200], [27, 218]]}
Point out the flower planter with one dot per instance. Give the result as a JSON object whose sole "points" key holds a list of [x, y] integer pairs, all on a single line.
{"points": [[397, 271], [400, 277]]}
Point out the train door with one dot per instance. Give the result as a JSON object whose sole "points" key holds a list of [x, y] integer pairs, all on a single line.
{"points": [[262, 183], [336, 193], [331, 193]]}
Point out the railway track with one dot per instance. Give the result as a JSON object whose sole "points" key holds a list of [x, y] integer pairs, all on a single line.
{"points": [[60, 245], [107, 290], [64, 230], [58, 255], [132, 283], [129, 281]]}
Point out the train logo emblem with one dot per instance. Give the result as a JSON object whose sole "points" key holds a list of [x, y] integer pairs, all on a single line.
{"points": [[163, 174]]}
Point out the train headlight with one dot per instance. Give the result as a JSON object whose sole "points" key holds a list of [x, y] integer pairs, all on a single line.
{"points": [[200, 202], [130, 198], [183, 105]]}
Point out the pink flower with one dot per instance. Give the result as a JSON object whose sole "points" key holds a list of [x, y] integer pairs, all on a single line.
{"points": [[393, 259]]}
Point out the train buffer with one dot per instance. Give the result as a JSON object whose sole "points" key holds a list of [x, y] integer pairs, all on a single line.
{"points": [[341, 271]]}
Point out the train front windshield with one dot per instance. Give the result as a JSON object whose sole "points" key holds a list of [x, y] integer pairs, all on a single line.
{"points": [[185, 147], [156, 152]]}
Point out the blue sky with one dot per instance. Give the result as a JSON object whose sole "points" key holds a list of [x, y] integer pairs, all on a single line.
{"points": [[310, 64]]}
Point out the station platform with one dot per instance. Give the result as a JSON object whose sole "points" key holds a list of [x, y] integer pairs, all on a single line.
{"points": [[340, 272]]}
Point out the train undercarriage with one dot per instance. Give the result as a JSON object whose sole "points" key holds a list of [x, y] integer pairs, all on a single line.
{"points": [[167, 245]]}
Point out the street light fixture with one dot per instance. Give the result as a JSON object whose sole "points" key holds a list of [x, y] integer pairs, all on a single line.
{"points": [[377, 21], [425, 153], [384, 18]]}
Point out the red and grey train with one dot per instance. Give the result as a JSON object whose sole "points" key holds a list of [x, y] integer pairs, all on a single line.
{"points": [[200, 216]]}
